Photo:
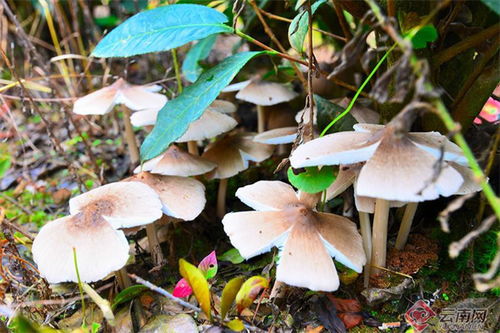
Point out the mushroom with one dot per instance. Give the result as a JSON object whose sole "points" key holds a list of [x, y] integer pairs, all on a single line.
{"points": [[277, 136], [307, 239], [175, 162], [92, 230], [400, 166], [213, 121], [181, 197], [134, 97], [262, 93], [232, 154]]}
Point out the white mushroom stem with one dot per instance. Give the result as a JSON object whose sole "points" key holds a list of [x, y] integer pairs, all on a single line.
{"points": [[379, 237], [221, 198], [154, 245], [261, 119], [193, 148], [130, 138], [366, 233], [404, 229]]}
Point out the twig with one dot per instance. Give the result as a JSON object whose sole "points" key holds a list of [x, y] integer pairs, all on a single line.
{"points": [[284, 19], [482, 280], [276, 41], [456, 247], [342, 21], [465, 44], [179, 301], [310, 72], [164, 293]]}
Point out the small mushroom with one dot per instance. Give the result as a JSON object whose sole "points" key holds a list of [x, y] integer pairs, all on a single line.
{"points": [[277, 136], [134, 97], [400, 166], [92, 231], [181, 197], [175, 162], [232, 155], [307, 239], [262, 93], [213, 121]]}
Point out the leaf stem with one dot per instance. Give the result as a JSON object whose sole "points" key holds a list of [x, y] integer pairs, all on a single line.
{"points": [[79, 285], [177, 71], [358, 92]]}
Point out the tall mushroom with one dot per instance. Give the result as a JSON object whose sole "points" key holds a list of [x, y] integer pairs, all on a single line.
{"points": [[307, 239], [400, 166], [232, 155], [262, 93], [134, 97], [92, 230]]}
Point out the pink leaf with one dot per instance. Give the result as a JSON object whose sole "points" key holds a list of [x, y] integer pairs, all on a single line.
{"points": [[182, 289], [208, 266]]}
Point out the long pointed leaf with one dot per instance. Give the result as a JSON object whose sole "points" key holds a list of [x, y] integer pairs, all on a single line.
{"points": [[161, 29], [175, 117], [229, 294], [198, 283]]}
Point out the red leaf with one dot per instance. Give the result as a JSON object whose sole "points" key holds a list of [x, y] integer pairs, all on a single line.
{"points": [[182, 289]]}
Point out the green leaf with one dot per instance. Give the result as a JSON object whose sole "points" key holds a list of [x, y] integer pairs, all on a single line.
{"points": [[175, 117], [161, 29], [235, 325], [327, 111], [297, 30], [191, 67], [5, 163], [249, 291], [494, 5], [422, 36], [198, 283], [229, 294], [128, 294], [313, 180], [232, 256]]}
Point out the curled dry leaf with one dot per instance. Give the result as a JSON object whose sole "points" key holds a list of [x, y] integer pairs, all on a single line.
{"points": [[249, 291]]}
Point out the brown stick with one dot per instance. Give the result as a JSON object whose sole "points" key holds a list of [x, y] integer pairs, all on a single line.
{"points": [[342, 21], [221, 198]]}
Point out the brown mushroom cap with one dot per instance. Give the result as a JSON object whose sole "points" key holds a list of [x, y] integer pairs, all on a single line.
{"points": [[307, 238], [182, 197], [176, 162], [277, 136], [123, 205], [100, 249], [265, 93], [232, 153], [103, 100]]}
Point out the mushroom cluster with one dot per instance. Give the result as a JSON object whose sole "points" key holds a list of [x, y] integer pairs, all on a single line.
{"points": [[397, 167]]}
